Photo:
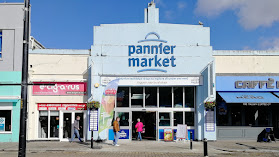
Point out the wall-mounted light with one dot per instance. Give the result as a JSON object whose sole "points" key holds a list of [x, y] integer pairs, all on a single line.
{"points": [[96, 85]]}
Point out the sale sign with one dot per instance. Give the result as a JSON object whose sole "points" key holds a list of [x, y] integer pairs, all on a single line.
{"points": [[60, 88], [56, 107]]}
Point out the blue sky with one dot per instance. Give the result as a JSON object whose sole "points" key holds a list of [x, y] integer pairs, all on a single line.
{"points": [[234, 24]]}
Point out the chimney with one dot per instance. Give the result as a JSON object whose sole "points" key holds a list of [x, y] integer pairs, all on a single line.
{"points": [[151, 14]]}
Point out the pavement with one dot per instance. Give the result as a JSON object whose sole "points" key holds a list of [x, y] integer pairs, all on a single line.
{"points": [[142, 149]]}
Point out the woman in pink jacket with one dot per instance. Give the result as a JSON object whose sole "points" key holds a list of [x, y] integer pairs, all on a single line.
{"points": [[139, 127]]}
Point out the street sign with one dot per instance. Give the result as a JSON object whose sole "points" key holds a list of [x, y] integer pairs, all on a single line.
{"points": [[93, 120]]}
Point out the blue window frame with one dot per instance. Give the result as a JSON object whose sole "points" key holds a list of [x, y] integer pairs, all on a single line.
{"points": [[0, 44]]}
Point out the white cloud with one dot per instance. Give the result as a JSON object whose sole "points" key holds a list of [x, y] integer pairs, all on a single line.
{"points": [[169, 14], [181, 5], [247, 48], [270, 43], [251, 13], [160, 3]]}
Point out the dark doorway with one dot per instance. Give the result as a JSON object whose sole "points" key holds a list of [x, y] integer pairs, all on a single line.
{"points": [[149, 121]]}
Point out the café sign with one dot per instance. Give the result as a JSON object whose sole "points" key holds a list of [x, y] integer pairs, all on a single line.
{"points": [[247, 83]]}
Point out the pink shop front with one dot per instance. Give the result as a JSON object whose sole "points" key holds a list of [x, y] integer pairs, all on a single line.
{"points": [[57, 108]]}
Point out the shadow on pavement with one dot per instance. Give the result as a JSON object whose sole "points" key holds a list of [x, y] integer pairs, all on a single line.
{"points": [[250, 147]]}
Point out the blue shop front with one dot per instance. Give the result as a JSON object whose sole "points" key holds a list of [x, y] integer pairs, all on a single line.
{"points": [[247, 105], [165, 71]]}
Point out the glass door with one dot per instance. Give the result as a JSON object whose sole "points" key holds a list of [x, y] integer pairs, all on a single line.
{"points": [[54, 124], [124, 124], [67, 125], [81, 122]]}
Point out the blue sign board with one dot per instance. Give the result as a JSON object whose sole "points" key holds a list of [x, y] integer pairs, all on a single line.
{"points": [[124, 134], [247, 83]]}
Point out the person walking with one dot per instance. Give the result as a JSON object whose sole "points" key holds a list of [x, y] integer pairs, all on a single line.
{"points": [[116, 130], [139, 127], [76, 129]]}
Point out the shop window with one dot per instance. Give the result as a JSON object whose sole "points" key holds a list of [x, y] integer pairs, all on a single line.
{"points": [[137, 96], [54, 123], [123, 97], [263, 116], [0, 44], [124, 118], [164, 119], [178, 118], [43, 124], [5, 120], [222, 114], [250, 113], [189, 97], [151, 96], [189, 118], [178, 97], [165, 97], [236, 114]]}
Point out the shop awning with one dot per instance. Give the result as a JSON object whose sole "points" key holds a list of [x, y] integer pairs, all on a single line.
{"points": [[249, 97]]}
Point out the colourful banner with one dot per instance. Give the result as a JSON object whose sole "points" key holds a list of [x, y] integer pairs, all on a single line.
{"points": [[60, 88], [107, 105]]}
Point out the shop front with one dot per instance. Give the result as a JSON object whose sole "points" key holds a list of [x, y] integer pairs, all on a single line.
{"points": [[56, 120], [56, 111], [9, 107], [164, 73], [246, 106]]}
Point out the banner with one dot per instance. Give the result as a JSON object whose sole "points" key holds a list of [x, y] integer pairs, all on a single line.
{"points": [[107, 105]]}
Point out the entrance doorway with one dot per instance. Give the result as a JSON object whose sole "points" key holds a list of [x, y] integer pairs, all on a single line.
{"points": [[68, 122], [149, 121]]}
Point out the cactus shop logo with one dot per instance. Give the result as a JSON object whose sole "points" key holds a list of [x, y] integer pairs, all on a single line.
{"points": [[153, 62]]}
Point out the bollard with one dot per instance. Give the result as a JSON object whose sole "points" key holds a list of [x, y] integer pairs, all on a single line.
{"points": [[205, 151], [91, 139], [191, 140]]}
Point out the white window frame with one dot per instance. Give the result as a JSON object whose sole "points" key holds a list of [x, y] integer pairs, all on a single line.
{"points": [[189, 109], [11, 109], [48, 126]]}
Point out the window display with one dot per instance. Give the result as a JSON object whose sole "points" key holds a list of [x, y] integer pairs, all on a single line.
{"points": [[5, 120]]}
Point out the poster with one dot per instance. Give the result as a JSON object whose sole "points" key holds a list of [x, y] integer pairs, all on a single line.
{"points": [[2, 124], [168, 135], [182, 132], [124, 134], [107, 105], [93, 120], [209, 121]]}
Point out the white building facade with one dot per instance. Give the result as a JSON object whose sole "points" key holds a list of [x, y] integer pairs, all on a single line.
{"points": [[61, 96], [166, 74]]}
